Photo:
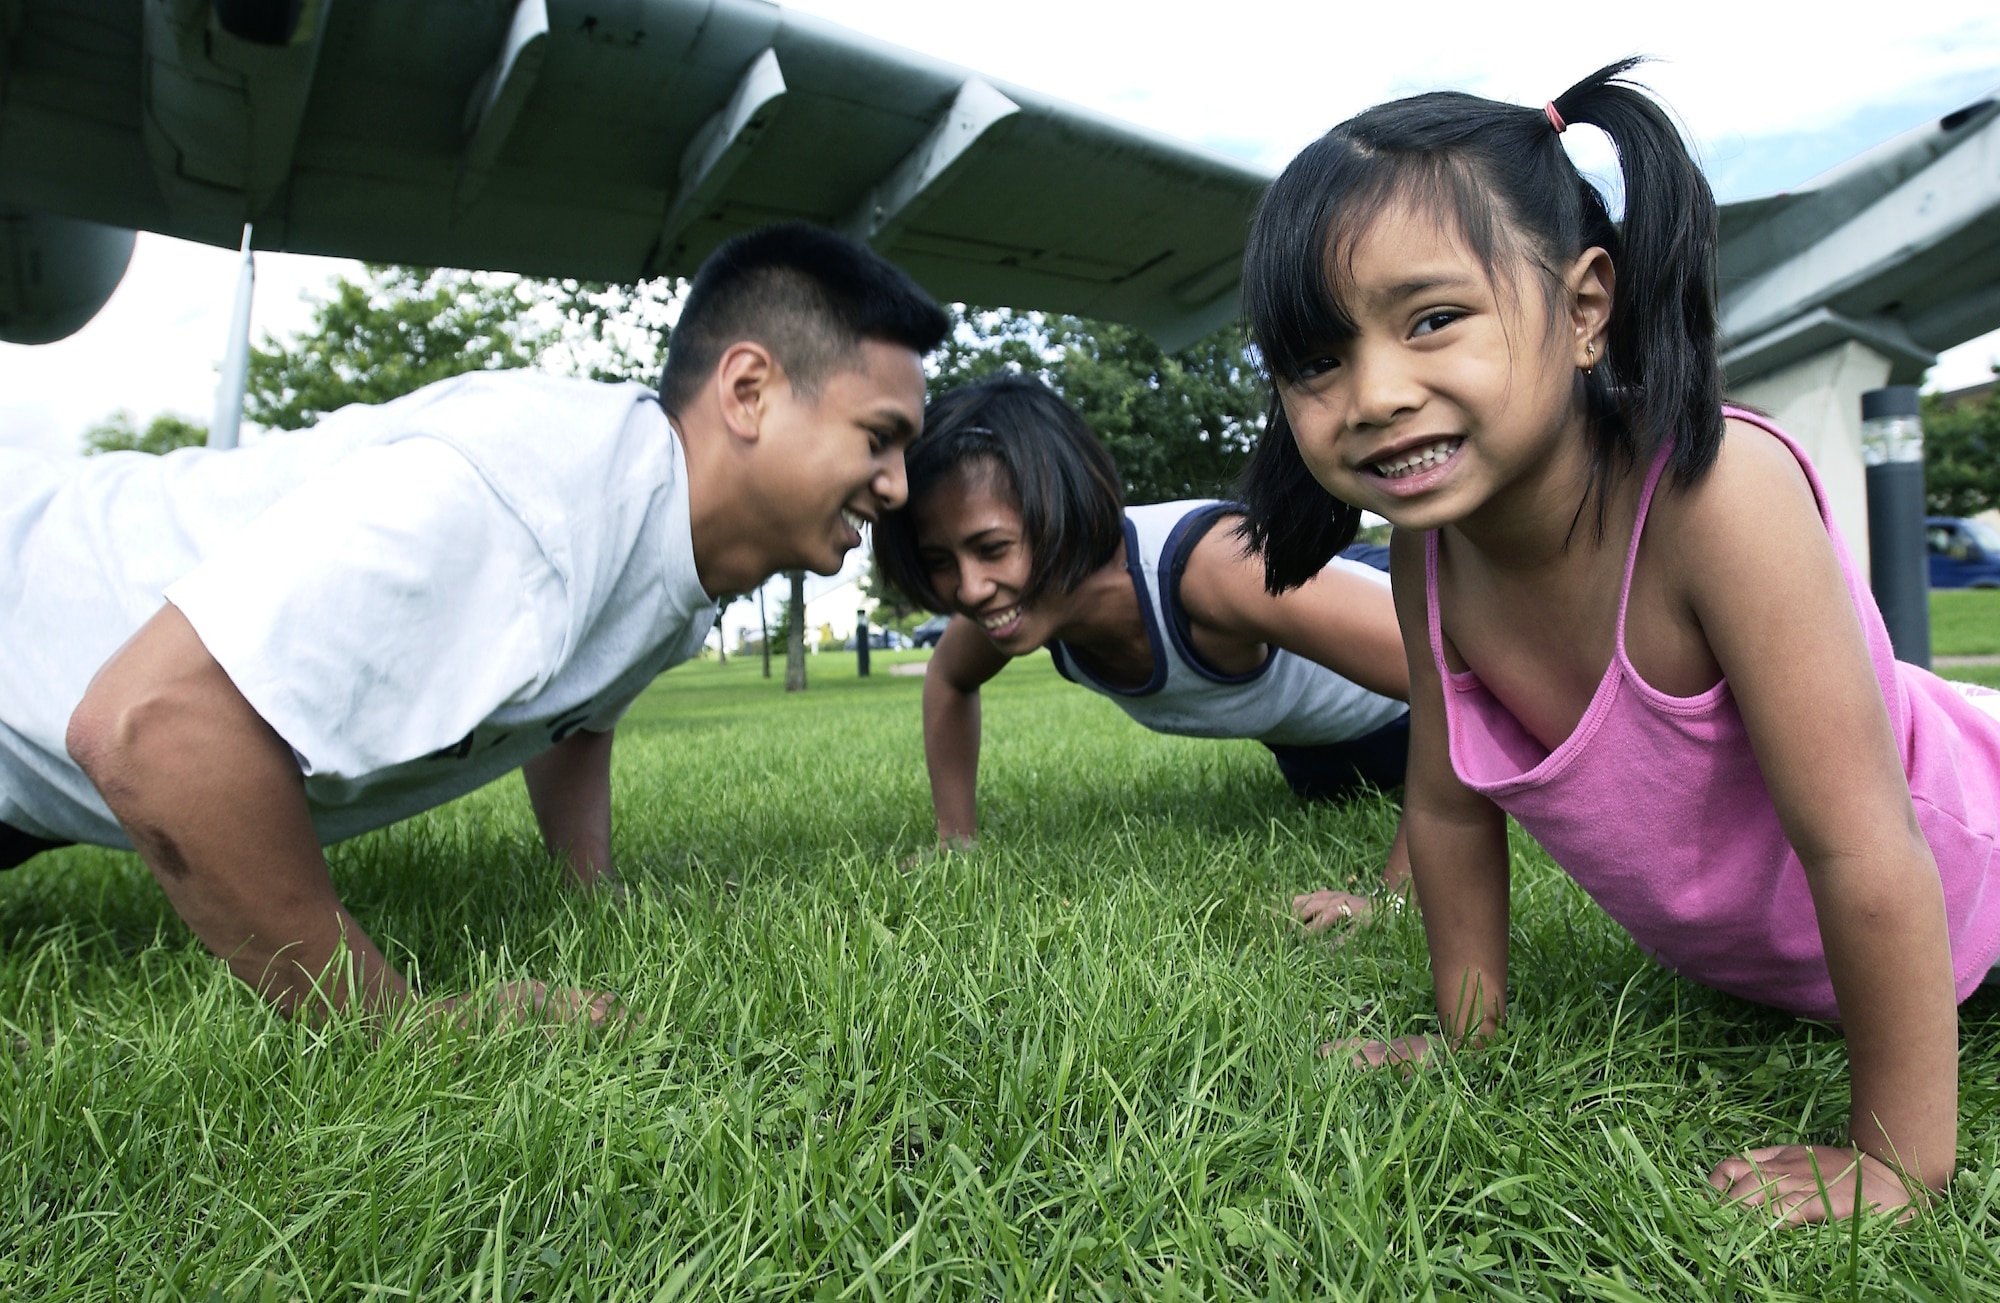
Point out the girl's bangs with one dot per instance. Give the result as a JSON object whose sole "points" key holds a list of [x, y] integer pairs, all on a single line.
{"points": [[1296, 272], [1289, 293]]}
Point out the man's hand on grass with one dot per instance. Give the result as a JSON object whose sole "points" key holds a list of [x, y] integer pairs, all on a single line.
{"points": [[1797, 1182]]}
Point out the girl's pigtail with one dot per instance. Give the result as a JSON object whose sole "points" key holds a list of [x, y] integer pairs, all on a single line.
{"points": [[1289, 519], [1661, 349]]}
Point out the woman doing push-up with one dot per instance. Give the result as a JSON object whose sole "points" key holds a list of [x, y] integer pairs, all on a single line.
{"points": [[1015, 526]]}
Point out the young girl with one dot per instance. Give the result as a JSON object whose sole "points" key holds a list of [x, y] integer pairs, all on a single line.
{"points": [[1014, 525], [1630, 622]]}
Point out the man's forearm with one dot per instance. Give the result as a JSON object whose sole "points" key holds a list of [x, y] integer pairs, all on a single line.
{"points": [[212, 800]]}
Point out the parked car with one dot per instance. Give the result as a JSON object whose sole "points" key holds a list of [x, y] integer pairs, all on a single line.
{"points": [[879, 640], [1964, 553], [928, 633]]}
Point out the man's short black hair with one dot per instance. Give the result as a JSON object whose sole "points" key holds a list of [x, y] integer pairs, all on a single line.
{"points": [[1033, 449], [808, 294]]}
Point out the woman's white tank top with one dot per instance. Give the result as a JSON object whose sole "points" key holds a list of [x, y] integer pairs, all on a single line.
{"points": [[1288, 699]]}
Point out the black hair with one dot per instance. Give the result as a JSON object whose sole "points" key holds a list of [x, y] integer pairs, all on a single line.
{"points": [[1500, 171], [808, 294], [1036, 449]]}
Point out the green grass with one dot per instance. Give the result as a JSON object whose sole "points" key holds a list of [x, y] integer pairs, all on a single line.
{"points": [[1965, 622], [1076, 1063], [1986, 674]]}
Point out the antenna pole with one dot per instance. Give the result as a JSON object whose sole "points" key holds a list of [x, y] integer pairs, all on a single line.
{"points": [[229, 386]]}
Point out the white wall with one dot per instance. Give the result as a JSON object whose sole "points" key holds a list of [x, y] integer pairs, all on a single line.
{"points": [[1818, 402]]}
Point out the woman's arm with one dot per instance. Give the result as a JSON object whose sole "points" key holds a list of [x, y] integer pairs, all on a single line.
{"points": [[1798, 666], [1458, 848], [964, 660], [1339, 619]]}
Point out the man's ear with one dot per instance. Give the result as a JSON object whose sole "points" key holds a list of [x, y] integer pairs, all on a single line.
{"points": [[745, 376]]}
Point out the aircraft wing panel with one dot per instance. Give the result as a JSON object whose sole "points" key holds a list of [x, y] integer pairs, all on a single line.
{"points": [[632, 137], [69, 81]]}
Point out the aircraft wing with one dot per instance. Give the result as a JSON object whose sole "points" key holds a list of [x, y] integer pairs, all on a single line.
{"points": [[1897, 249], [600, 139]]}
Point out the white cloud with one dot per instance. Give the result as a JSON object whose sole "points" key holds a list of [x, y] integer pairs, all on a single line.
{"points": [[32, 426], [1971, 363]]}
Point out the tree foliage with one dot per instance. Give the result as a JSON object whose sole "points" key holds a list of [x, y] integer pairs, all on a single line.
{"points": [[1179, 425], [400, 328], [1962, 455], [164, 433], [380, 338]]}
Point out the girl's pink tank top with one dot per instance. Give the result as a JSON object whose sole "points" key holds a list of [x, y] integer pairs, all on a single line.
{"points": [[1656, 807]]}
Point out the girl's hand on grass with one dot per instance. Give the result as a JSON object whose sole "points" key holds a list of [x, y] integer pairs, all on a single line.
{"points": [[1320, 910], [1799, 1181], [956, 844], [1403, 1053]]}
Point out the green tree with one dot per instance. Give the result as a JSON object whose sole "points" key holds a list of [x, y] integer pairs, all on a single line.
{"points": [[400, 328], [1179, 425], [1962, 455], [164, 433], [795, 633], [601, 330], [379, 338]]}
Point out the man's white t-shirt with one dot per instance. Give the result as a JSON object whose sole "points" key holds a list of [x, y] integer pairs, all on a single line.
{"points": [[418, 597]]}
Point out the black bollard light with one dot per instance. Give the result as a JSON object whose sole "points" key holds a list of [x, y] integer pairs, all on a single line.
{"points": [[1892, 448], [861, 640]]}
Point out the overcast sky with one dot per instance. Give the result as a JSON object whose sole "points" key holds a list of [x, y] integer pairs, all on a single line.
{"points": [[1771, 98]]}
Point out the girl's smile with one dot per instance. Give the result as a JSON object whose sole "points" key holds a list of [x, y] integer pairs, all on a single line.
{"points": [[1417, 467], [1427, 456]]}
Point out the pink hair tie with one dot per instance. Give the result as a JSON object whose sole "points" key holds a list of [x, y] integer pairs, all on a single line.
{"points": [[1555, 118]]}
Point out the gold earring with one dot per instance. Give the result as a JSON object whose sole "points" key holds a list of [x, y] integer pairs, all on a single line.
{"points": [[1590, 351]]}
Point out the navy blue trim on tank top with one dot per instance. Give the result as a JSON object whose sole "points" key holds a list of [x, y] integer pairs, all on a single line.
{"points": [[1137, 570], [1187, 532]]}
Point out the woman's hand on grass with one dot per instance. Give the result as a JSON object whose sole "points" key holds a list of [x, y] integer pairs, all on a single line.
{"points": [[1320, 910], [1798, 1182], [1405, 1052]]}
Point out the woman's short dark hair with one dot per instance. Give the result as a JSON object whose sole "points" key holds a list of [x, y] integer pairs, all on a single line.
{"points": [[808, 294], [1035, 449], [1500, 171]]}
